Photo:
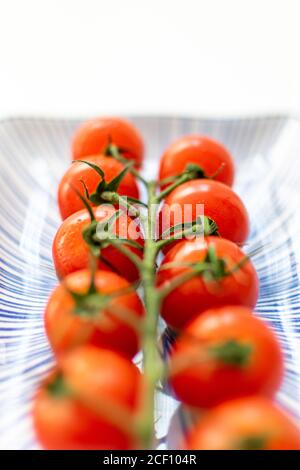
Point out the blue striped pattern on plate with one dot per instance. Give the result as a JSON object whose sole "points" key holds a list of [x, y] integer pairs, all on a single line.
{"points": [[33, 156]]}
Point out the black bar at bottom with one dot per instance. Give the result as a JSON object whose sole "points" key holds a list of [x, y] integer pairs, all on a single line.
{"points": [[131, 459]]}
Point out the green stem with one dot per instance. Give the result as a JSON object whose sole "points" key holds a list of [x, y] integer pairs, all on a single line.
{"points": [[127, 252], [176, 282], [152, 365], [185, 177], [115, 198], [179, 235], [195, 270]]}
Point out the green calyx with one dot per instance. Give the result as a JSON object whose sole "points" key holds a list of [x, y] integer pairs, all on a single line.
{"points": [[98, 234], [108, 192], [90, 303], [231, 353], [104, 187], [214, 268], [89, 235], [114, 151], [218, 265], [207, 227], [191, 171], [210, 227], [57, 387], [252, 442], [211, 268], [194, 171]]}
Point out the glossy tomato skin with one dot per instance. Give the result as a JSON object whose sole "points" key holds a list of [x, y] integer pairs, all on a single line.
{"points": [[207, 153], [68, 421], [67, 329], [234, 424], [185, 302], [202, 380], [94, 136], [220, 203], [69, 202], [71, 253]]}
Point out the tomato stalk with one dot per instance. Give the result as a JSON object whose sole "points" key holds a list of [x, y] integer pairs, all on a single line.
{"points": [[230, 352], [119, 244], [152, 363], [107, 192], [191, 172], [115, 198], [153, 367], [205, 269], [182, 179], [206, 227]]}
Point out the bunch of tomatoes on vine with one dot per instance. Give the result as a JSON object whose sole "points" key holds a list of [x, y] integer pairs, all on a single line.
{"points": [[121, 271]]}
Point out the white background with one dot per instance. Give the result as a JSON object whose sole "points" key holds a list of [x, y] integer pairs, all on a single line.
{"points": [[224, 57]]}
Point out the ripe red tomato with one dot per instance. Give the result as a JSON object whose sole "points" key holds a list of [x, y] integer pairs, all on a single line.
{"points": [[94, 136], [252, 423], [198, 294], [70, 324], [71, 253], [72, 408], [223, 354], [69, 202], [211, 156], [221, 204]]}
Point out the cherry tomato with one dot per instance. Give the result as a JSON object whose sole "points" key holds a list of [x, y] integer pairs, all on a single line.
{"points": [[253, 423], [211, 156], [223, 354], [71, 253], [69, 323], [95, 135], [221, 204], [69, 202], [216, 286], [76, 406]]}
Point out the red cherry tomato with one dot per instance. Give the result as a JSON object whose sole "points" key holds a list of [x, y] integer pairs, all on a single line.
{"points": [[69, 202], [211, 156], [94, 136], [223, 354], [71, 409], [69, 324], [246, 424], [71, 253], [198, 294], [221, 204]]}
